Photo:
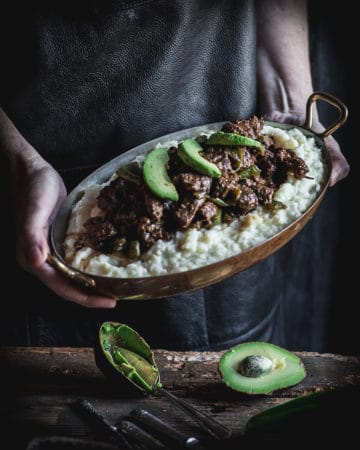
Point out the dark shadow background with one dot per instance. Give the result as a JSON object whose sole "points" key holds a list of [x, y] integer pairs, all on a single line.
{"points": [[334, 54], [333, 43]]}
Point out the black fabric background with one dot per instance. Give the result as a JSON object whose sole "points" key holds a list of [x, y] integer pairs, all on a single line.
{"points": [[328, 322], [333, 36]]}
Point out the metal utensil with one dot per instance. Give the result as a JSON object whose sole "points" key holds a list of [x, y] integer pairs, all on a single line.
{"points": [[157, 425], [97, 418], [205, 421], [134, 432]]}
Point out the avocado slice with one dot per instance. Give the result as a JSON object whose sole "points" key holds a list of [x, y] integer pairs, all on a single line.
{"points": [[131, 172], [189, 153], [260, 368], [156, 176], [221, 138]]}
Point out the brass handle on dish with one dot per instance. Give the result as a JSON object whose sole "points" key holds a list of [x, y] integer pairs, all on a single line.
{"points": [[79, 277], [328, 98]]}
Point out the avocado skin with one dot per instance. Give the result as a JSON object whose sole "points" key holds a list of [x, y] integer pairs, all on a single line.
{"points": [[327, 414], [156, 176], [287, 370], [189, 153], [221, 138], [126, 359]]}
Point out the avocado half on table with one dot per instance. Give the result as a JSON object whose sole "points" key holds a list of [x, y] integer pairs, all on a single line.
{"points": [[260, 368]]}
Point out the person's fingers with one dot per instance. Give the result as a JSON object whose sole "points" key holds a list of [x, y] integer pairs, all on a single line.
{"points": [[39, 194], [341, 167], [42, 195], [69, 291]]}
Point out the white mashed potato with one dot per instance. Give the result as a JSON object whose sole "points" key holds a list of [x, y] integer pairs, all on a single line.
{"points": [[199, 247]]}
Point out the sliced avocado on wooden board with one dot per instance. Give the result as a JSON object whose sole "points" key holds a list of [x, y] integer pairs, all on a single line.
{"points": [[156, 176], [221, 138], [189, 153], [260, 368]]}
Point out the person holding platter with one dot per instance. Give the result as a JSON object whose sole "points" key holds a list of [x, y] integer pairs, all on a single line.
{"points": [[87, 82]]}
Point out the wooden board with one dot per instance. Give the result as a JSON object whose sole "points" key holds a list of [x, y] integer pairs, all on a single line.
{"points": [[42, 385]]}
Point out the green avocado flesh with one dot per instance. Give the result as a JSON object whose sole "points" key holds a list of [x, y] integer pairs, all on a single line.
{"points": [[189, 153], [221, 138], [156, 176], [260, 368], [131, 172], [128, 353]]}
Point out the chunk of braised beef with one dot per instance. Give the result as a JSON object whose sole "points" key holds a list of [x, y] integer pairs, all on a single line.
{"points": [[265, 194], [298, 167], [207, 212], [175, 164], [149, 232], [113, 194], [247, 158], [124, 218], [98, 230], [247, 201], [267, 163], [193, 182], [250, 128], [154, 206], [287, 160], [282, 155], [223, 185], [263, 188], [186, 212], [219, 156]]}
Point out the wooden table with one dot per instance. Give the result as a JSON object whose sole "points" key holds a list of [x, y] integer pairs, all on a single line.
{"points": [[40, 386]]}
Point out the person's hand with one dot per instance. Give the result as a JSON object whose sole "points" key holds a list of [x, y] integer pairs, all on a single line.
{"points": [[39, 191], [340, 167]]}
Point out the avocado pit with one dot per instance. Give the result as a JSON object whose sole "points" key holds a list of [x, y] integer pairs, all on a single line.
{"points": [[255, 366]]}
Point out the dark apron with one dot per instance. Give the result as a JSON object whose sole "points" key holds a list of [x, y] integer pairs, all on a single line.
{"points": [[90, 81]]}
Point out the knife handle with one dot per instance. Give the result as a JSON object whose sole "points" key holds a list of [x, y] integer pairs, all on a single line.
{"points": [[153, 422]]}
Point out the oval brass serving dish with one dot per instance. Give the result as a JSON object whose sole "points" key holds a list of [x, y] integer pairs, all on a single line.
{"points": [[176, 283]]}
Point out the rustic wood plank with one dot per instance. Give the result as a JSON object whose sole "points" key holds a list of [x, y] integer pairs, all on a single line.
{"points": [[190, 373], [56, 415], [43, 384]]}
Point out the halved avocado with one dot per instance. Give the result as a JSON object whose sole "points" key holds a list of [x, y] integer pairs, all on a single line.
{"points": [[156, 176], [260, 368], [189, 153], [221, 138], [128, 355]]}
